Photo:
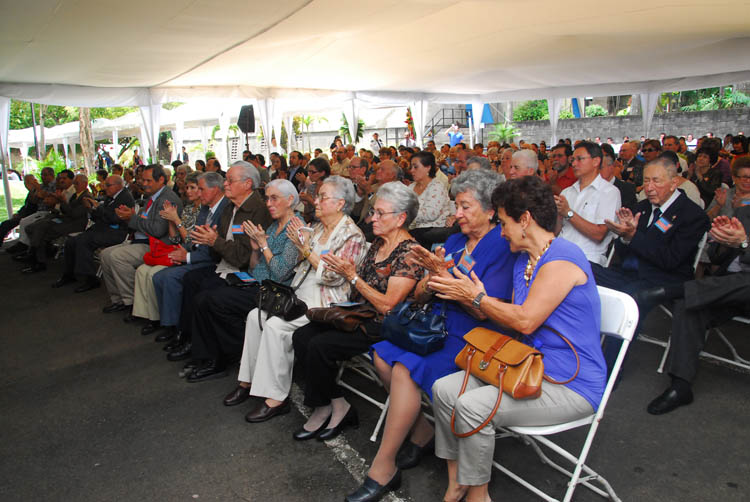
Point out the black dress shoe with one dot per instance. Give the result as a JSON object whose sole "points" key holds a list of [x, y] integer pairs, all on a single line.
{"points": [[62, 281], [207, 371], [150, 328], [669, 401], [88, 286], [303, 434], [18, 247], [410, 454], [237, 396], [264, 412], [34, 268], [189, 367], [372, 491], [181, 353], [350, 419], [164, 337], [25, 257], [129, 317], [177, 339], [115, 307]]}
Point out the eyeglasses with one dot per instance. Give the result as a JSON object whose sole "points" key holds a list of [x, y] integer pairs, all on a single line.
{"points": [[312, 171], [649, 150], [744, 177], [231, 181], [377, 212]]}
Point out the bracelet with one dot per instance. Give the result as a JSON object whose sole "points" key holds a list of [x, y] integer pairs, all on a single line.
{"points": [[306, 253], [263, 248]]}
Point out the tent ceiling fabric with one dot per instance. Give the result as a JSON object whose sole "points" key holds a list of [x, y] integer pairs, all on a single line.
{"points": [[397, 50]]}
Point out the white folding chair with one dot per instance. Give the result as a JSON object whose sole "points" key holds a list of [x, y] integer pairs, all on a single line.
{"points": [[363, 366], [619, 319]]}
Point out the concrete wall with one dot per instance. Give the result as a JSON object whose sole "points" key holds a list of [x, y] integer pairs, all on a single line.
{"points": [[719, 122]]}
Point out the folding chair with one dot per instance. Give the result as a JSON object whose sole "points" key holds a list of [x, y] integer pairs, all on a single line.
{"points": [[363, 366], [619, 319]]}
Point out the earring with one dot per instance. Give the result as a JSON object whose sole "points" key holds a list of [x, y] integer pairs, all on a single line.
{"points": [[523, 234]]}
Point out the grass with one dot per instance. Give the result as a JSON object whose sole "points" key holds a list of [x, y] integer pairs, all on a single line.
{"points": [[18, 195]]}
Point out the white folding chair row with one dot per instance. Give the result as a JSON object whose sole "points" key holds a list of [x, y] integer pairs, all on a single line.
{"points": [[619, 319]]}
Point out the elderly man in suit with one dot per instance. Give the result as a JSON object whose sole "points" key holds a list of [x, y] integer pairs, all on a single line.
{"points": [[120, 262], [607, 171], [657, 242], [229, 246], [706, 302], [168, 282], [73, 217], [108, 229]]}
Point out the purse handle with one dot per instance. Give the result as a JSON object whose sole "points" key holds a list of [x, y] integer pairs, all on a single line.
{"points": [[501, 374], [291, 272]]}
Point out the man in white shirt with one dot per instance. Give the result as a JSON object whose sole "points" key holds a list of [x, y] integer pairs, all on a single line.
{"points": [[376, 144], [583, 206]]}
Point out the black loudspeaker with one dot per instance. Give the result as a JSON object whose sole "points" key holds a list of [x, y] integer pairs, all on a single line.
{"points": [[246, 120]]}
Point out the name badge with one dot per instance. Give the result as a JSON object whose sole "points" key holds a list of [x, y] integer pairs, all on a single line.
{"points": [[663, 224], [114, 226], [449, 262], [746, 202], [466, 263], [237, 230]]}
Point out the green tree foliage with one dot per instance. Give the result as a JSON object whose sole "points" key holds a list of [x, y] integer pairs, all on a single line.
{"points": [[20, 114], [715, 101], [344, 130], [531, 110], [596, 111], [504, 133], [565, 114]]}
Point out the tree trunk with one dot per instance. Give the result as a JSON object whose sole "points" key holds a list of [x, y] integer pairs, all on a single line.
{"points": [[86, 139]]}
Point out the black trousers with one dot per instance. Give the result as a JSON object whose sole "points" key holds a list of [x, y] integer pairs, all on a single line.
{"points": [[708, 302], [40, 233], [195, 282], [319, 348], [79, 250], [219, 321], [7, 226]]}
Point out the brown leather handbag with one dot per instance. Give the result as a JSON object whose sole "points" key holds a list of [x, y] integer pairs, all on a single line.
{"points": [[511, 366], [344, 318]]}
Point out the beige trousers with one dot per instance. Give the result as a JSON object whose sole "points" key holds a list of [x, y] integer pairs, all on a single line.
{"points": [[119, 264], [144, 299]]}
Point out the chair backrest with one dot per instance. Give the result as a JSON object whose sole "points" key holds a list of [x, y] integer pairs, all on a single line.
{"points": [[701, 245], [611, 253], [619, 313]]}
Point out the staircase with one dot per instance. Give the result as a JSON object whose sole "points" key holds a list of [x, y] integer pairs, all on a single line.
{"points": [[443, 119]]}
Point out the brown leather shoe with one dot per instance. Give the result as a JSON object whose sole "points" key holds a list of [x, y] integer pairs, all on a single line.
{"points": [[237, 396], [264, 412]]}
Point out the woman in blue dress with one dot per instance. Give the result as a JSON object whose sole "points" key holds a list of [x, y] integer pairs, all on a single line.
{"points": [[553, 287], [480, 248]]}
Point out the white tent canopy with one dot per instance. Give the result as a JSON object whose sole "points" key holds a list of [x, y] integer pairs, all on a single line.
{"points": [[360, 53]]}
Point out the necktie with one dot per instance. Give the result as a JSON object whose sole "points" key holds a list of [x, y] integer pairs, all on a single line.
{"points": [[657, 215]]}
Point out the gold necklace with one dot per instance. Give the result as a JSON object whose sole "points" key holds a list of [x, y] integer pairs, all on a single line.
{"points": [[530, 268]]}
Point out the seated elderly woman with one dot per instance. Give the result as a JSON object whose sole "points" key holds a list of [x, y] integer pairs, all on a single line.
{"points": [[478, 247], [435, 206], [145, 302], [553, 287], [267, 355], [218, 320], [317, 170], [382, 280], [180, 174]]}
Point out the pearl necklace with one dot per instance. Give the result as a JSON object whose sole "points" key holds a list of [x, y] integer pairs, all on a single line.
{"points": [[530, 268]]}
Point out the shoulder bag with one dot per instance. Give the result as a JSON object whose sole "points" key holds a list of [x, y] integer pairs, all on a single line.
{"points": [[413, 327], [278, 299], [347, 318], [511, 366]]}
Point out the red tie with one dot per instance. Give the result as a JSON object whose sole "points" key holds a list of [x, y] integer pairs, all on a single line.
{"points": [[148, 205]]}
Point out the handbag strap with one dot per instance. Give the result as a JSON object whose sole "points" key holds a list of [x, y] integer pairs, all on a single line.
{"points": [[260, 293], [575, 353], [501, 374]]}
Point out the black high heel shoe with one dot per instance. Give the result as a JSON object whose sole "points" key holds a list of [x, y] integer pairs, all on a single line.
{"points": [[303, 434], [372, 491], [350, 419]]}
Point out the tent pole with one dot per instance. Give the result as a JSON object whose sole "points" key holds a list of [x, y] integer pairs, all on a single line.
{"points": [[33, 124], [6, 183]]}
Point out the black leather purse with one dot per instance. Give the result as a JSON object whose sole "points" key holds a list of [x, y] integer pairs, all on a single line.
{"points": [[280, 300], [413, 327]]}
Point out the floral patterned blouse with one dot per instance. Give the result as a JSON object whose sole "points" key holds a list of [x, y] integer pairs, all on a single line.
{"points": [[434, 206], [188, 216], [376, 274]]}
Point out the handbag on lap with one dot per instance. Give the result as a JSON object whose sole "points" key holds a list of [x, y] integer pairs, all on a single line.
{"points": [[413, 327]]}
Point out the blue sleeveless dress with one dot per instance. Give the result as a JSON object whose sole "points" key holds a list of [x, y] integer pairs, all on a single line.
{"points": [[578, 318], [493, 264]]}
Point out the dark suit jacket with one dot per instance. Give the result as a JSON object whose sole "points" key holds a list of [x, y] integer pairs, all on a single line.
{"points": [[627, 193], [74, 215], [237, 251], [200, 253], [154, 225], [667, 257], [293, 179], [104, 216]]}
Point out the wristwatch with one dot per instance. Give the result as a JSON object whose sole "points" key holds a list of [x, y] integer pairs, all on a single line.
{"points": [[744, 244], [354, 280], [179, 225], [478, 300], [263, 249], [569, 214]]}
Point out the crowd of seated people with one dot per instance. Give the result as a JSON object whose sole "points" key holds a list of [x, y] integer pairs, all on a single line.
{"points": [[184, 259]]}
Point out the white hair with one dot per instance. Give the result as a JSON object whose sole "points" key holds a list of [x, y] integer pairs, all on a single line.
{"points": [[529, 159], [286, 188]]}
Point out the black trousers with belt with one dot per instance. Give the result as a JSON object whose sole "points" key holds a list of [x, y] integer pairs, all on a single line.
{"points": [[196, 283], [79, 250], [320, 347], [218, 322]]}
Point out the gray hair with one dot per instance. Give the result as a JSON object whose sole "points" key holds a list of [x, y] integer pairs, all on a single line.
{"points": [[667, 164], [184, 167], [484, 162], [248, 172], [286, 188], [194, 177], [212, 179], [81, 175], [343, 189], [529, 157], [402, 198], [481, 183], [117, 180]]}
